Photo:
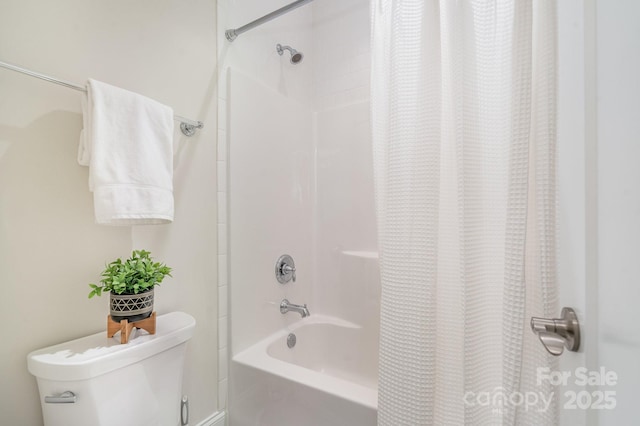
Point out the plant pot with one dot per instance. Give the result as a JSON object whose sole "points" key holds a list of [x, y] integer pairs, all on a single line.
{"points": [[132, 307]]}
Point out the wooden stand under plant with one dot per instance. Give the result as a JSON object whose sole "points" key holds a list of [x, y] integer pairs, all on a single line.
{"points": [[125, 327]]}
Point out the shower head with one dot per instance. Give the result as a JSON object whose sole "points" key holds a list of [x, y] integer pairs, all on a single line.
{"points": [[296, 57]]}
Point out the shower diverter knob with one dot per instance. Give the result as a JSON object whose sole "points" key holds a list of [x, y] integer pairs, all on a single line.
{"points": [[285, 269]]}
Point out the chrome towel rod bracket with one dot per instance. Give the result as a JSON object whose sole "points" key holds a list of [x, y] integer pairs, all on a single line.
{"points": [[187, 126]]}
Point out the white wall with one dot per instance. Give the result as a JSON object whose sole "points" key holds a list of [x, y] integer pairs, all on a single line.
{"points": [[618, 135], [49, 246]]}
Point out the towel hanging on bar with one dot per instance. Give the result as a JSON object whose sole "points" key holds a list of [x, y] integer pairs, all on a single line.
{"points": [[127, 143], [187, 126]]}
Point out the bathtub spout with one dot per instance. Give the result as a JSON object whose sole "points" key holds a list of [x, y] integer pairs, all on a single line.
{"points": [[285, 307]]}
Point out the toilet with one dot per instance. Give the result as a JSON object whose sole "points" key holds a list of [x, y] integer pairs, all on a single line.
{"points": [[97, 381]]}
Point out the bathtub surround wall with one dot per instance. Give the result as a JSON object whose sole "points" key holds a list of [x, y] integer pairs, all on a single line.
{"points": [[274, 180], [50, 247], [271, 209], [341, 53], [253, 58], [311, 195], [345, 220]]}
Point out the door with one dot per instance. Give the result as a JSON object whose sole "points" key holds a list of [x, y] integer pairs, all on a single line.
{"points": [[599, 207]]}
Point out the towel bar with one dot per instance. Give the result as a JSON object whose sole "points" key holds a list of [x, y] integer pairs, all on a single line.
{"points": [[187, 127]]}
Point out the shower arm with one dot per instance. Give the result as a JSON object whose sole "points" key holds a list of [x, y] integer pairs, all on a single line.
{"points": [[232, 34]]}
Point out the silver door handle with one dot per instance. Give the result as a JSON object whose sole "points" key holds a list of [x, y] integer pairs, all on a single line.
{"points": [[67, 397], [556, 334]]}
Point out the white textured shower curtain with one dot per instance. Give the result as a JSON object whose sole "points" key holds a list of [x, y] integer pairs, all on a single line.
{"points": [[463, 112]]}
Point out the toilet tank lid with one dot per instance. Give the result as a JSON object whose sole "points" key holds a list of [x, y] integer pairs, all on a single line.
{"points": [[97, 354]]}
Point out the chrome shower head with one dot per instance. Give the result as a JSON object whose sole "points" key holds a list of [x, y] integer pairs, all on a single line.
{"points": [[296, 57]]}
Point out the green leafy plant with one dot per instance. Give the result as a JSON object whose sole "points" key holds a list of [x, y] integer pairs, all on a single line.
{"points": [[135, 275]]}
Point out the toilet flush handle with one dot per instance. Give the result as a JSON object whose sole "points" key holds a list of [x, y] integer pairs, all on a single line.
{"points": [[67, 397]]}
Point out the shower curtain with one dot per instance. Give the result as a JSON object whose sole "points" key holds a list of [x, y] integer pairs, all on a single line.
{"points": [[463, 112]]}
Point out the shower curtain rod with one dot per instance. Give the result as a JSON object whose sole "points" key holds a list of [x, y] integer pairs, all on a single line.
{"points": [[187, 126], [232, 34]]}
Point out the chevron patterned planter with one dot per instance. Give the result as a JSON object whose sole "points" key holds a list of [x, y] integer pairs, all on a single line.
{"points": [[132, 307]]}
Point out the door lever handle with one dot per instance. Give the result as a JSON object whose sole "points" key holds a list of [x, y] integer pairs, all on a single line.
{"points": [[556, 334]]}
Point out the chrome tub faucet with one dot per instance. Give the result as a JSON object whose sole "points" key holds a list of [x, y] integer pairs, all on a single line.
{"points": [[285, 307]]}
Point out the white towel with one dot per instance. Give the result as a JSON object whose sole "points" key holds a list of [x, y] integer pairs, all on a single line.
{"points": [[127, 142]]}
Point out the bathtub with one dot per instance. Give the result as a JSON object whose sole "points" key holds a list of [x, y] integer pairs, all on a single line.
{"points": [[328, 378]]}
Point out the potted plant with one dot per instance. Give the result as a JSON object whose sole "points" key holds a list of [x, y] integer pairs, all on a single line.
{"points": [[130, 284]]}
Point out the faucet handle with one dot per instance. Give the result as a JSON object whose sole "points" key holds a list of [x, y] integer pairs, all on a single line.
{"points": [[285, 269], [288, 269]]}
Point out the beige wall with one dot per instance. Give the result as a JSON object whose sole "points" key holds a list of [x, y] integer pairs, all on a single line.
{"points": [[49, 246]]}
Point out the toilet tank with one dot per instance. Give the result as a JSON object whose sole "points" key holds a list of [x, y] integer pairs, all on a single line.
{"points": [[134, 384]]}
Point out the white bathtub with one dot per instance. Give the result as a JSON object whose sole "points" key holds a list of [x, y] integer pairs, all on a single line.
{"points": [[328, 378]]}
